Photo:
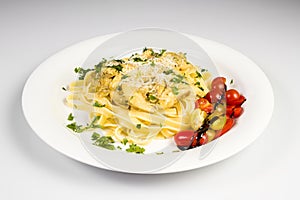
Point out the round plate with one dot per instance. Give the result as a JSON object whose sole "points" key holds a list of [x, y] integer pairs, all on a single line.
{"points": [[45, 112]]}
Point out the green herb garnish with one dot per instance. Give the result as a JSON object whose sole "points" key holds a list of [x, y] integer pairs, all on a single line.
{"points": [[231, 81], [101, 64], [79, 128], [103, 141], [134, 148], [124, 141], [162, 52], [170, 71], [81, 72], [203, 70], [175, 90], [178, 79], [76, 128], [159, 153], [201, 88], [139, 126], [70, 117], [97, 104], [137, 59], [116, 67], [198, 74], [124, 77], [152, 64], [63, 88]]}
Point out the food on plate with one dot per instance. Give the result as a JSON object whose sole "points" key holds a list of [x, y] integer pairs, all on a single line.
{"points": [[153, 95], [222, 108]]}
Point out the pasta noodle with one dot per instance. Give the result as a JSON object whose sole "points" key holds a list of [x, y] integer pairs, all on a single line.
{"points": [[143, 97]]}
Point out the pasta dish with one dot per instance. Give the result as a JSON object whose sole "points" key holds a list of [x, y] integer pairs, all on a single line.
{"points": [[149, 95]]}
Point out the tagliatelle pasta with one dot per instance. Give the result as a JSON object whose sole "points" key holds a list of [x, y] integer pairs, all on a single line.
{"points": [[143, 97]]}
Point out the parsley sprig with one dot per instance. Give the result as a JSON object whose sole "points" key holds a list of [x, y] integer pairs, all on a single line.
{"points": [[80, 128], [103, 141]]}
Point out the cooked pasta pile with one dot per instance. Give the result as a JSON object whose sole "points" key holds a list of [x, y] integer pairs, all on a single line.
{"points": [[143, 97]]}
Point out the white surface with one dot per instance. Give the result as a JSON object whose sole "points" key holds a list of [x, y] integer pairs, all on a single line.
{"points": [[41, 87], [268, 32]]}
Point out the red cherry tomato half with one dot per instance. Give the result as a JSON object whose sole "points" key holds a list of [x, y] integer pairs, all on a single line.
{"points": [[239, 101], [237, 112], [203, 139], [184, 138], [229, 110], [204, 105], [231, 96], [194, 143], [207, 96], [229, 124]]}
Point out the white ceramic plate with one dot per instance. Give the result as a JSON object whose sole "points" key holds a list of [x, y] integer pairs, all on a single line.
{"points": [[45, 112]]}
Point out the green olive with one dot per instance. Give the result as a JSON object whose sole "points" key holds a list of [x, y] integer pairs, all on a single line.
{"points": [[218, 123]]}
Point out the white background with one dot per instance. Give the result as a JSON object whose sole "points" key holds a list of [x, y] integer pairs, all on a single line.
{"points": [[266, 31]]}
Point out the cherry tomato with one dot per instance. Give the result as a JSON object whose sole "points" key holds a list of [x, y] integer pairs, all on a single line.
{"points": [[204, 105], [239, 101], [237, 112], [184, 139], [203, 139], [207, 96], [228, 125], [229, 110], [194, 143], [231, 96]]}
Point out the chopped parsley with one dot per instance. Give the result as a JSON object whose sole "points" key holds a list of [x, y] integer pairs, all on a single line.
{"points": [[151, 98], [138, 59], [81, 72], [139, 126], [97, 104], [162, 52], [175, 90], [197, 83], [124, 141], [63, 88], [198, 74], [101, 64], [134, 148], [159, 153], [70, 117], [103, 141], [203, 70], [116, 67], [119, 147], [178, 79], [170, 71], [231, 81], [124, 77], [174, 151], [160, 125], [152, 64], [79, 128], [201, 88], [76, 128]]}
